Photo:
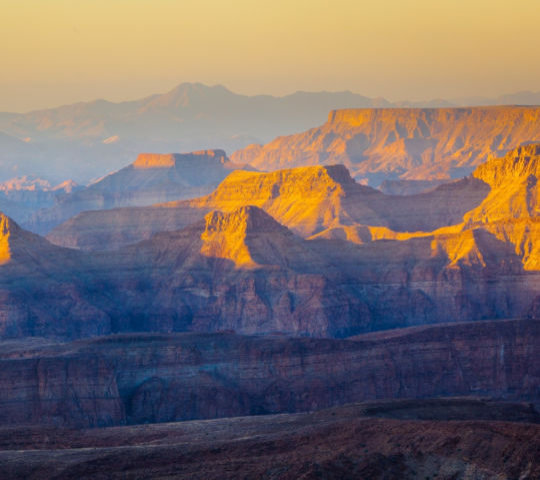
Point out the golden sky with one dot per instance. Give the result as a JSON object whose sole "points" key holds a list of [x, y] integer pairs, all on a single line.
{"points": [[61, 51]]}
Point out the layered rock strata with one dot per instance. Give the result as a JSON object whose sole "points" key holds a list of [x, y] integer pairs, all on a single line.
{"points": [[156, 378]]}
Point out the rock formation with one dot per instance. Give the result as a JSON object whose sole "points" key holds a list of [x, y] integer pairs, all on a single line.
{"points": [[419, 144], [307, 200], [88, 139], [152, 178], [21, 197], [317, 254], [42, 291], [156, 378]]}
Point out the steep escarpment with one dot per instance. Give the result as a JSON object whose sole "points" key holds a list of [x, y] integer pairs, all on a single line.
{"points": [[243, 271], [240, 268], [42, 291], [152, 178], [156, 378], [307, 200], [414, 144], [511, 211]]}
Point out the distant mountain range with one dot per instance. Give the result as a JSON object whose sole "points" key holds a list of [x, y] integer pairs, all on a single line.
{"points": [[87, 140]]}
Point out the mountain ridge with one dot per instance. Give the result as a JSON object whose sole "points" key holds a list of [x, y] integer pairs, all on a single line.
{"points": [[103, 136], [414, 144]]}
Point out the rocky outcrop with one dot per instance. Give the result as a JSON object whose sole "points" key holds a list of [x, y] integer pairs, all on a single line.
{"points": [[156, 378], [387, 144], [43, 288], [511, 211], [307, 200], [152, 178], [240, 269]]}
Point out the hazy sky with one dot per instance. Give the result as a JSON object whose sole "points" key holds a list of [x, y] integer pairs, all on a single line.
{"points": [[61, 51]]}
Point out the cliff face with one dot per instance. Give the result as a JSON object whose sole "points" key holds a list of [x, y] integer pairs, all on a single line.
{"points": [[511, 211], [307, 200], [366, 264], [41, 290], [152, 178], [420, 144], [244, 271], [156, 378]]}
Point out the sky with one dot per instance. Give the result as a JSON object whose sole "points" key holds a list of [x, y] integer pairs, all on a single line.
{"points": [[56, 52]]}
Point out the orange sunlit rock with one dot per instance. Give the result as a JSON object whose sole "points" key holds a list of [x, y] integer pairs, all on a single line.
{"points": [[409, 143]]}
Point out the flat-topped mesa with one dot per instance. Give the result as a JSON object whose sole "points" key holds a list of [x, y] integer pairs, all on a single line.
{"points": [[170, 160], [306, 199], [402, 143], [496, 115], [152, 178], [261, 186]]}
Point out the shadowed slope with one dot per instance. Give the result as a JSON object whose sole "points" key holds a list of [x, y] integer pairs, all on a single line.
{"points": [[44, 289], [141, 378]]}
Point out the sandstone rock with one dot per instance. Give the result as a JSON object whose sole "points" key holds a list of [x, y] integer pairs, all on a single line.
{"points": [[307, 200], [41, 290], [156, 378], [413, 144], [152, 178]]}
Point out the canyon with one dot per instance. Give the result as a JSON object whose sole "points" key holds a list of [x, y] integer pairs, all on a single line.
{"points": [[86, 140], [194, 316], [148, 378], [304, 251], [407, 144]]}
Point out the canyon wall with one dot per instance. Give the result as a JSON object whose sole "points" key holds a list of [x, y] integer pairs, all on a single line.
{"points": [[156, 378], [405, 143]]}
